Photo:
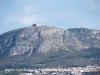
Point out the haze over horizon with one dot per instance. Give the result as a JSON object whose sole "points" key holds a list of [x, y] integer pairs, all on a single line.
{"points": [[63, 14]]}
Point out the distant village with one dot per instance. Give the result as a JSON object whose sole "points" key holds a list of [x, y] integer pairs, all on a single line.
{"points": [[89, 70]]}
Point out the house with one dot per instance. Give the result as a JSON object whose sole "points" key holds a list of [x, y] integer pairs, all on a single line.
{"points": [[36, 25], [25, 74]]}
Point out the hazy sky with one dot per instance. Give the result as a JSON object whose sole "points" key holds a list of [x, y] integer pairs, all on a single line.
{"points": [[64, 14]]}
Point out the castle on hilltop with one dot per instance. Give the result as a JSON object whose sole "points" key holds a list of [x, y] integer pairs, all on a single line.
{"points": [[36, 25]]}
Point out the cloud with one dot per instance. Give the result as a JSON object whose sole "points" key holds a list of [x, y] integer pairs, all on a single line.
{"points": [[26, 20], [94, 5], [12, 19], [65, 14], [28, 9]]}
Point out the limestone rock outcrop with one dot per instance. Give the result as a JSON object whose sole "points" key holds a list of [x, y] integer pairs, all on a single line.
{"points": [[43, 39]]}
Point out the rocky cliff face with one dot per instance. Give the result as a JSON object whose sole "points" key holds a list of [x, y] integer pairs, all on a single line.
{"points": [[45, 39]]}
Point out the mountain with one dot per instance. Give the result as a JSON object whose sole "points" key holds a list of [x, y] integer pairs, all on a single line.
{"points": [[44, 44]]}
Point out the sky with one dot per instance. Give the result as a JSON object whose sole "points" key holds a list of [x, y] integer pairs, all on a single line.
{"points": [[64, 14]]}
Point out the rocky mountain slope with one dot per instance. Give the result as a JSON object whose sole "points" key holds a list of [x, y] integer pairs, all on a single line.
{"points": [[44, 46], [45, 39]]}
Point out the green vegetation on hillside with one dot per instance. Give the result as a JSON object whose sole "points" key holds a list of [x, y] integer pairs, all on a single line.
{"points": [[62, 58]]}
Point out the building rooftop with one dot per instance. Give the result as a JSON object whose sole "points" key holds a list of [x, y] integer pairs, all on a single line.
{"points": [[36, 25]]}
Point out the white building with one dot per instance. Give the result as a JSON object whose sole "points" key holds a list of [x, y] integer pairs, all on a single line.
{"points": [[25, 74], [36, 25]]}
